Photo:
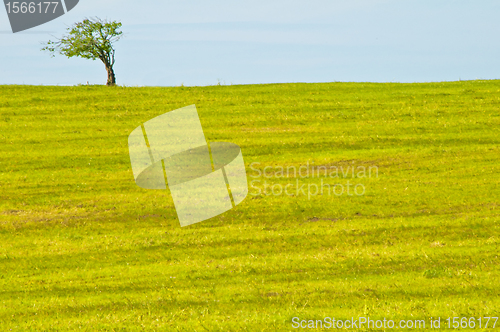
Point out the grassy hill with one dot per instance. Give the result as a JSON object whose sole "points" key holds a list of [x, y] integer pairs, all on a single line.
{"points": [[83, 248]]}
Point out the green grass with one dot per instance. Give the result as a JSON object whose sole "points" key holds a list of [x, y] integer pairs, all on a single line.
{"points": [[83, 248]]}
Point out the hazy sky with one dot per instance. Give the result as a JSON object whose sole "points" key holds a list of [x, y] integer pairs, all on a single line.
{"points": [[264, 41]]}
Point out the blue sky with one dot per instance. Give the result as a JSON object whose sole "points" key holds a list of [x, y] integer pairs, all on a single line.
{"points": [[190, 42]]}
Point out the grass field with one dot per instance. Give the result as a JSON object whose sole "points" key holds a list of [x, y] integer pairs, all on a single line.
{"points": [[83, 248]]}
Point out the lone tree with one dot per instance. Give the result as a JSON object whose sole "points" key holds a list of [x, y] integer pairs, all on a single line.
{"points": [[90, 39]]}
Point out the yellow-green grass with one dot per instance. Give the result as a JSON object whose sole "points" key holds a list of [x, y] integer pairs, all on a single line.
{"points": [[83, 248]]}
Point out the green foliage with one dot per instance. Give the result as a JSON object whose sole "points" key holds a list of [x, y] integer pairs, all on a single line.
{"points": [[89, 39], [83, 248]]}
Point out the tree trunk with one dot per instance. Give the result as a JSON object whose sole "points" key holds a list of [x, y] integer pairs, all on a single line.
{"points": [[111, 76]]}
